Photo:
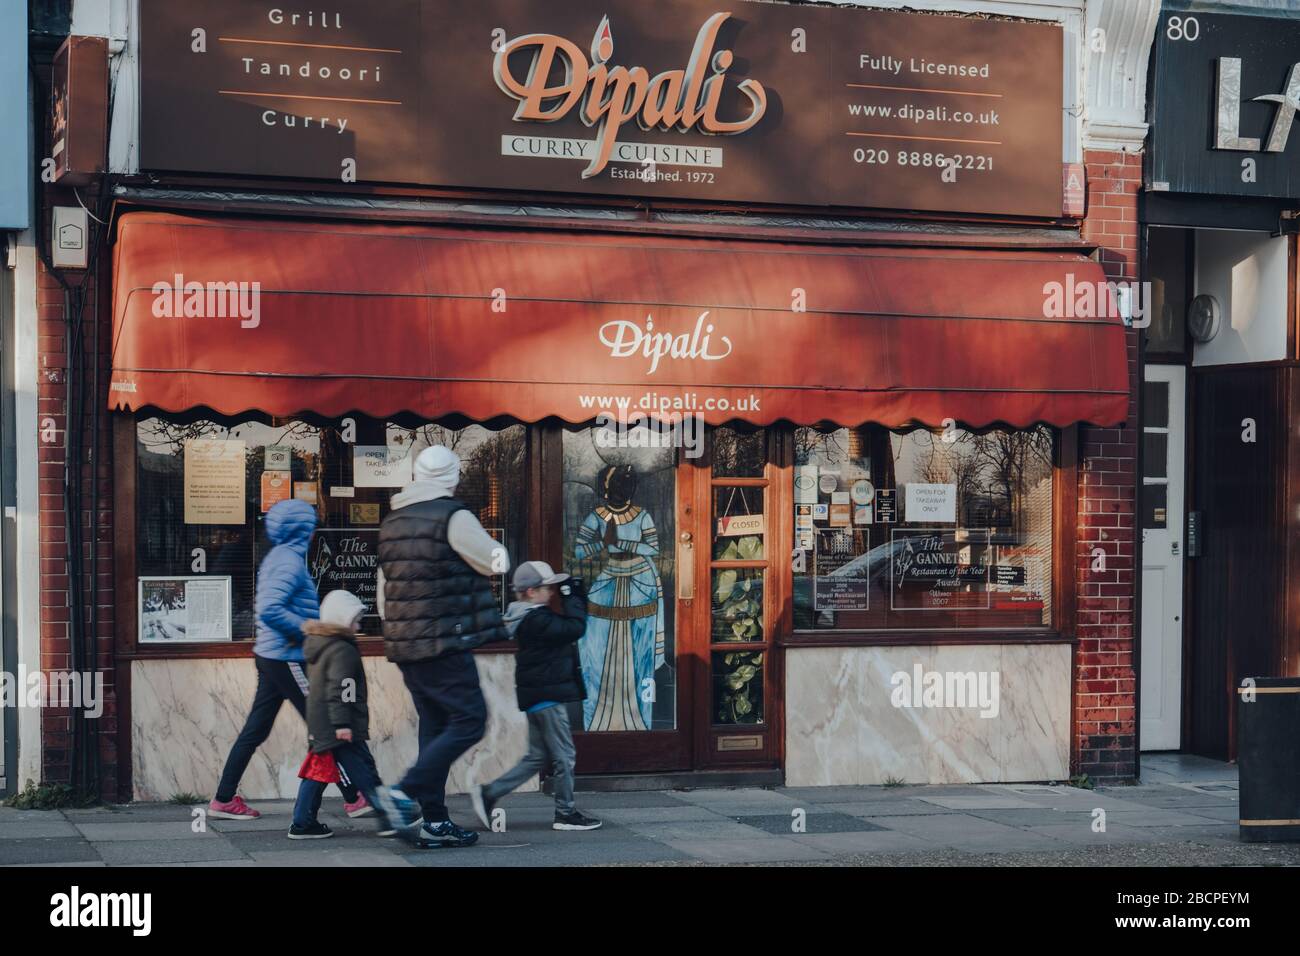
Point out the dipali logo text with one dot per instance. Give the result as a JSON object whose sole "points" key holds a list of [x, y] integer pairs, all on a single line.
{"points": [[608, 97]]}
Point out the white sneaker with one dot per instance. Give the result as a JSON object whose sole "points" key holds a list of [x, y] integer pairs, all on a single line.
{"points": [[481, 808]]}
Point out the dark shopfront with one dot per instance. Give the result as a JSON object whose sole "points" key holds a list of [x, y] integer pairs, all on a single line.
{"points": [[1220, 499], [860, 458]]}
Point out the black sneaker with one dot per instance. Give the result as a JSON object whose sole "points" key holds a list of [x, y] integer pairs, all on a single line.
{"points": [[444, 835], [574, 820], [313, 831]]}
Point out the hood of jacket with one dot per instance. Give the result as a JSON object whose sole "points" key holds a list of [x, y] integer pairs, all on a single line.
{"points": [[320, 635], [291, 523], [424, 490], [515, 613]]}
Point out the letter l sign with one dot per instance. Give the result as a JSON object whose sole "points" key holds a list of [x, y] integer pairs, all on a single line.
{"points": [[1227, 114]]}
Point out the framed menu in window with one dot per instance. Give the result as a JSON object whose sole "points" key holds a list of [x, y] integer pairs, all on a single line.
{"points": [[184, 609]]}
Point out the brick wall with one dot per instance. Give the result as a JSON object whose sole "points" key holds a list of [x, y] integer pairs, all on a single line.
{"points": [[1105, 679], [55, 582]]}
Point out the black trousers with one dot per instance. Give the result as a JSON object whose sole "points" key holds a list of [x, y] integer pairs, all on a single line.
{"points": [[277, 681], [453, 717]]}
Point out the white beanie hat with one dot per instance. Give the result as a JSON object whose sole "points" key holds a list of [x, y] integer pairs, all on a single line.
{"points": [[438, 463], [342, 608]]}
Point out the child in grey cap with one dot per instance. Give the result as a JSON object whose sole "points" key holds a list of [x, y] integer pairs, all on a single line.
{"points": [[548, 676]]}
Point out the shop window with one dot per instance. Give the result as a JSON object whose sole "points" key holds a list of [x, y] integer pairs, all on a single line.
{"points": [[619, 528], [203, 488], [739, 452], [1168, 255], [921, 529]]}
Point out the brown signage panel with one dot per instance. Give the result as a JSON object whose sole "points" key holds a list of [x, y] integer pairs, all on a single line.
{"points": [[79, 97], [692, 99]]}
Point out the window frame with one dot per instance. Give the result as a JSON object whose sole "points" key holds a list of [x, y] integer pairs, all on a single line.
{"points": [[127, 647], [1065, 457]]}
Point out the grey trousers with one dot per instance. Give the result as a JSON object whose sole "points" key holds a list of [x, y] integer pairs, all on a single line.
{"points": [[550, 743]]}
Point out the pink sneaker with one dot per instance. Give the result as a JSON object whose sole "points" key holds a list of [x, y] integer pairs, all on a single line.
{"points": [[361, 808], [235, 809]]}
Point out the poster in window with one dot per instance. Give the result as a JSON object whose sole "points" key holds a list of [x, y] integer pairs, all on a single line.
{"points": [[841, 570], [214, 481], [278, 458], [346, 559], [184, 610], [380, 466], [927, 503], [805, 485], [938, 570], [276, 487], [886, 508]]}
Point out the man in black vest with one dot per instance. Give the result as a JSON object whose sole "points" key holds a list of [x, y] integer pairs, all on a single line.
{"points": [[436, 600]]}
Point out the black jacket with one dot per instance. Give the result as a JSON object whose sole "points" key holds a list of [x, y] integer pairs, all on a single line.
{"points": [[332, 657], [547, 666], [434, 603]]}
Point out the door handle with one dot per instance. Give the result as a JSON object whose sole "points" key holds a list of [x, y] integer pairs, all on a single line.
{"points": [[685, 567]]}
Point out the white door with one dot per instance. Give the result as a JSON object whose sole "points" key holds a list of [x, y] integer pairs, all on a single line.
{"points": [[1162, 523]]}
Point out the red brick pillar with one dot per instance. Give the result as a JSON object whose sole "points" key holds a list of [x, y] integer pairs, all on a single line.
{"points": [[1104, 738]]}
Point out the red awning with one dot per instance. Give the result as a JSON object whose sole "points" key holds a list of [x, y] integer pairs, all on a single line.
{"points": [[333, 318]]}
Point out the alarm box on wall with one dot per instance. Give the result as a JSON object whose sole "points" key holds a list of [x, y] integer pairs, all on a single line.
{"points": [[79, 98]]}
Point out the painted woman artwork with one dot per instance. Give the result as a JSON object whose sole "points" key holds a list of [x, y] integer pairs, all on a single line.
{"points": [[624, 644]]}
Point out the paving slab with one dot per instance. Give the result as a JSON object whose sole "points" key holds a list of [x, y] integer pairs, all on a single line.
{"points": [[276, 822], [118, 832], [780, 825], [1034, 817], [1084, 836], [647, 798], [692, 830], [80, 864], [1230, 814], [903, 807], [316, 856], [53, 850], [838, 794], [1220, 833], [983, 801], [133, 813], [771, 850], [628, 816], [576, 854], [737, 801], [205, 864], [127, 852], [957, 830], [877, 841], [1156, 817], [8, 814], [40, 827]]}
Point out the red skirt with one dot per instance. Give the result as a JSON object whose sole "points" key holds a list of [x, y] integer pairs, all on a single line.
{"points": [[319, 767]]}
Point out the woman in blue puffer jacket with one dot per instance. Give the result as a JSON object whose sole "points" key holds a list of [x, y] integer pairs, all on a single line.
{"points": [[286, 599]]}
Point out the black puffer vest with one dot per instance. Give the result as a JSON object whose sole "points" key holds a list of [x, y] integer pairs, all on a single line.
{"points": [[434, 603]]}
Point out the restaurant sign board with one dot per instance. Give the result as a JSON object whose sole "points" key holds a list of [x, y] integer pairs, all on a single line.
{"points": [[682, 99]]}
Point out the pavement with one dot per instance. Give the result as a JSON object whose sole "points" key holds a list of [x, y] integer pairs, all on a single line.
{"points": [[1183, 812]]}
